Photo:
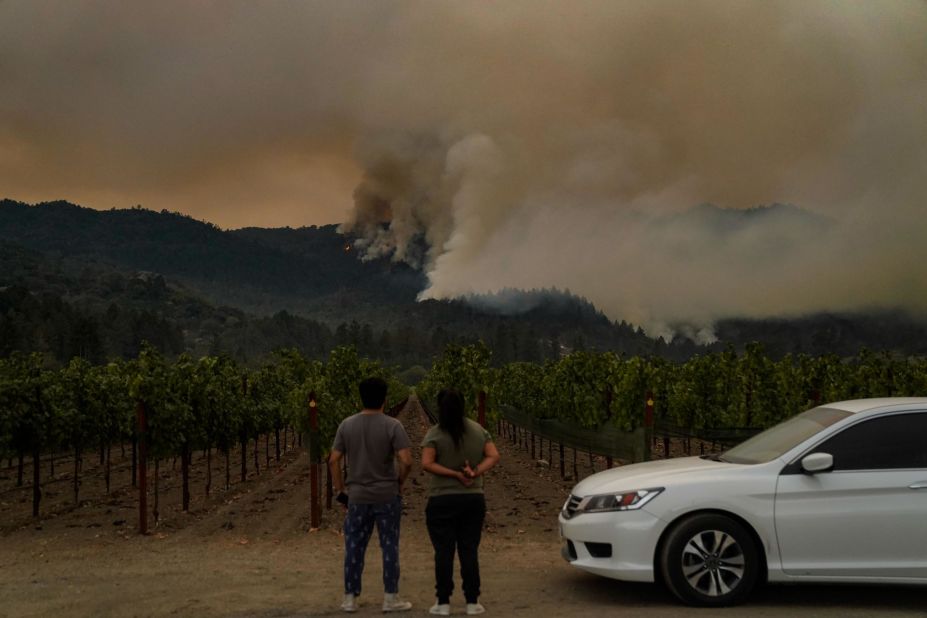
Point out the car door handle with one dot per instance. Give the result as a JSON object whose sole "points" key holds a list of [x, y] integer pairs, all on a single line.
{"points": [[918, 485]]}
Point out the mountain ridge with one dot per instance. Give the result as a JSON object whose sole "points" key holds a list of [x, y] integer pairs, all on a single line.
{"points": [[268, 278]]}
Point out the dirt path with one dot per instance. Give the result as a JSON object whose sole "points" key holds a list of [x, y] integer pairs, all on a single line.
{"points": [[249, 552]]}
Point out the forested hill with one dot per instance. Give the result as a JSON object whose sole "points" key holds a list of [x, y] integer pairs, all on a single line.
{"points": [[66, 272], [260, 271], [73, 278]]}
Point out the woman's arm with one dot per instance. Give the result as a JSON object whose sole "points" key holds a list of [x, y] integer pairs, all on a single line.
{"points": [[490, 459], [429, 464]]}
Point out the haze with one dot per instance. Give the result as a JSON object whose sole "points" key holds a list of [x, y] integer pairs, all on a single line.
{"points": [[530, 144]]}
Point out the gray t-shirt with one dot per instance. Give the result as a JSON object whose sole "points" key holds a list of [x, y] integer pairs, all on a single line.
{"points": [[369, 443]]}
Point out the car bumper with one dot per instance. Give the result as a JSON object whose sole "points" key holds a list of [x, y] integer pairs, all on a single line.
{"points": [[619, 545]]}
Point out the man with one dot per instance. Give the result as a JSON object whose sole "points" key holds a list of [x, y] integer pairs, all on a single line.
{"points": [[371, 441]]}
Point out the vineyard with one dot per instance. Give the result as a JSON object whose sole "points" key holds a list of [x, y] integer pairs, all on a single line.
{"points": [[722, 390], [168, 410]]}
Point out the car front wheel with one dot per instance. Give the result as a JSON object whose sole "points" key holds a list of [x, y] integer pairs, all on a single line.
{"points": [[710, 560]]}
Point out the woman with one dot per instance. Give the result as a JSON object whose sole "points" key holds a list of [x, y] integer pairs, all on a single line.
{"points": [[456, 507]]}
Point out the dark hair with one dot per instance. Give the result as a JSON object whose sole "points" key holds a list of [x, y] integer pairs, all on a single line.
{"points": [[373, 393], [451, 414]]}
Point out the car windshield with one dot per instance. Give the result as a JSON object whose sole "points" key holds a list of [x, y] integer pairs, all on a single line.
{"points": [[777, 440]]}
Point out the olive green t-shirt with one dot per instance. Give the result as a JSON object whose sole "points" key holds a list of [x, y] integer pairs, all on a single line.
{"points": [[471, 449]]}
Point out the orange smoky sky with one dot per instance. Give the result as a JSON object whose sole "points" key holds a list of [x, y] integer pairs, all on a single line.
{"points": [[531, 143]]}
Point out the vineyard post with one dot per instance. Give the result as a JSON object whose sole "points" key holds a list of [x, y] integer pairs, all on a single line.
{"points": [[648, 426], [243, 436], [109, 462], [609, 461], [142, 433], [481, 408], [157, 475], [329, 490], [315, 514], [36, 459], [186, 454], [36, 475], [135, 459], [76, 484], [257, 463], [562, 468]]}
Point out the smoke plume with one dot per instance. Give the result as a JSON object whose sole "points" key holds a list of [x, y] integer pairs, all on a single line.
{"points": [[529, 144], [576, 144]]}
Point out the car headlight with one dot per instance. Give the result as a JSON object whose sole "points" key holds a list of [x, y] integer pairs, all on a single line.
{"points": [[625, 501]]}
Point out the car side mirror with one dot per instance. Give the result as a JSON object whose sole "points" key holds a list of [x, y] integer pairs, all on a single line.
{"points": [[817, 462]]}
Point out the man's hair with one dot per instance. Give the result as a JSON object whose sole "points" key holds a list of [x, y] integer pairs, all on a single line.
{"points": [[373, 393]]}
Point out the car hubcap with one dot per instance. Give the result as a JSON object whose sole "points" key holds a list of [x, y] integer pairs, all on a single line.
{"points": [[713, 562]]}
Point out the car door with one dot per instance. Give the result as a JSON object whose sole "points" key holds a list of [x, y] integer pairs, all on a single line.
{"points": [[867, 516]]}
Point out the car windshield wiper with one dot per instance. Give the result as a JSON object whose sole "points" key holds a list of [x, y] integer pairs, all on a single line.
{"points": [[715, 457]]}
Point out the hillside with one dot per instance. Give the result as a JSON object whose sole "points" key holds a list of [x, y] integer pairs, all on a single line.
{"points": [[261, 271], [99, 282]]}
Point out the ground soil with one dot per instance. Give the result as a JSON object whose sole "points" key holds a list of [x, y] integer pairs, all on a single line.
{"points": [[249, 550]]}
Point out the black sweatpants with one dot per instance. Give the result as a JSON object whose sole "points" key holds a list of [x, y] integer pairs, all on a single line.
{"points": [[454, 522]]}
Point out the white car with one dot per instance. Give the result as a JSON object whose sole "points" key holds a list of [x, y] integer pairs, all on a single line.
{"points": [[835, 494]]}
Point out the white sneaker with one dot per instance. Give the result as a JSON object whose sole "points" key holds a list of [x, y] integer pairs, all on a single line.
{"points": [[350, 603], [440, 609], [392, 603], [475, 608]]}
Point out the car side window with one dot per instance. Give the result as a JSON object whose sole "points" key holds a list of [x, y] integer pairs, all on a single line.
{"points": [[898, 441]]}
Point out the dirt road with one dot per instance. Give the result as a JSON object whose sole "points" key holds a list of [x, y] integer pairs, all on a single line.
{"points": [[249, 552]]}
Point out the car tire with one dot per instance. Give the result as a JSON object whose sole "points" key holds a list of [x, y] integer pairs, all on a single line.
{"points": [[710, 560]]}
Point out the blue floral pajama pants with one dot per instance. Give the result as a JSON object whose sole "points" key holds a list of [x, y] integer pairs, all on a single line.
{"points": [[358, 526]]}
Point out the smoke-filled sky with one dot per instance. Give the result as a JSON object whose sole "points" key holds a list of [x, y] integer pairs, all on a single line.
{"points": [[531, 143]]}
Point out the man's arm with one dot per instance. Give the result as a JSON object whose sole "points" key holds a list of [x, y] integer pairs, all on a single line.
{"points": [[334, 465], [404, 455]]}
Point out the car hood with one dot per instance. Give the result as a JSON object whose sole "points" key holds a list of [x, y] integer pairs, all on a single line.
{"points": [[649, 474]]}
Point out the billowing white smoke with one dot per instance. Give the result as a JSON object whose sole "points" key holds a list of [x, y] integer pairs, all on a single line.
{"points": [[592, 186]]}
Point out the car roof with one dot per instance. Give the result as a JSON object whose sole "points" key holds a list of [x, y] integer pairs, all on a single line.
{"points": [[857, 406]]}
